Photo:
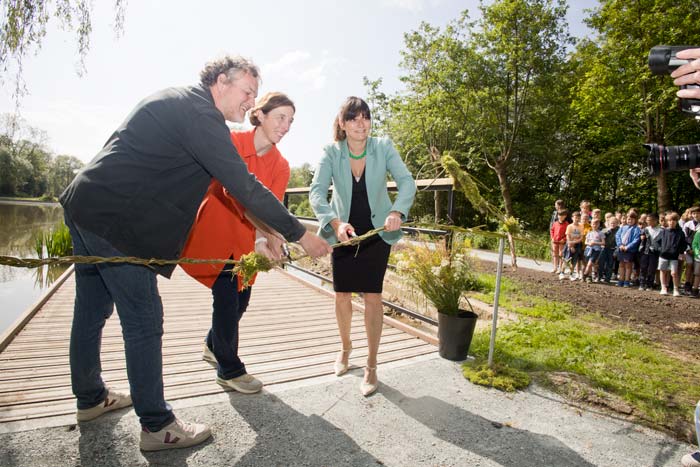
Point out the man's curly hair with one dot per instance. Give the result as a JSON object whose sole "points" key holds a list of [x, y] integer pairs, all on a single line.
{"points": [[228, 65]]}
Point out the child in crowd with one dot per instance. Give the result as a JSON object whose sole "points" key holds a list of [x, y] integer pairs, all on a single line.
{"points": [[585, 208], [558, 206], [690, 227], [627, 240], [696, 254], [649, 258], [557, 233], [622, 219], [595, 240], [636, 266], [574, 240], [586, 226], [608, 215], [672, 246], [596, 214], [605, 262]]}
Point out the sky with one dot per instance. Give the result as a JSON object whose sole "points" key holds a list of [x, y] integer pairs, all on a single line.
{"points": [[315, 51]]}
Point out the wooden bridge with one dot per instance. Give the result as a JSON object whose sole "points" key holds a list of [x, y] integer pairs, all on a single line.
{"points": [[288, 333]]}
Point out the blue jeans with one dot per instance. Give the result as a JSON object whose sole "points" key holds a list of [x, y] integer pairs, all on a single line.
{"points": [[228, 308], [605, 264], [134, 290]]}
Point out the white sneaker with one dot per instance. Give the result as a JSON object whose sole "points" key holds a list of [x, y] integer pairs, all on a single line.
{"points": [[573, 277], [208, 356], [247, 384], [113, 401], [561, 276], [663, 291], [691, 460], [676, 293], [174, 436]]}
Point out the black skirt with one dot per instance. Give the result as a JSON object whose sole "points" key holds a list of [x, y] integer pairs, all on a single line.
{"points": [[360, 268]]}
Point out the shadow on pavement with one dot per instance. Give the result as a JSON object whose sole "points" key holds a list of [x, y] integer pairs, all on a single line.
{"points": [[505, 445], [288, 437]]}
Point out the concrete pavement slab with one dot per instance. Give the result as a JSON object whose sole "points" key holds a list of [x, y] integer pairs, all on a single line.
{"points": [[425, 413]]}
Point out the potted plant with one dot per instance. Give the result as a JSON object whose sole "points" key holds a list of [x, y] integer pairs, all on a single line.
{"points": [[442, 277]]}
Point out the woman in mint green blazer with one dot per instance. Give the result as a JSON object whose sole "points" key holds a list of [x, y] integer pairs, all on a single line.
{"points": [[357, 166]]}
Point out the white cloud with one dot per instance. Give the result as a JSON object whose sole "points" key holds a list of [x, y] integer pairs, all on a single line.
{"points": [[411, 5], [287, 60], [312, 72]]}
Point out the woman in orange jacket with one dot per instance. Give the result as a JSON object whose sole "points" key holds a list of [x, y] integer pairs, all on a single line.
{"points": [[222, 231]]}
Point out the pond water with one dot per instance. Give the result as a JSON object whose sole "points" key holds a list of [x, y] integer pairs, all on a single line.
{"points": [[20, 288]]}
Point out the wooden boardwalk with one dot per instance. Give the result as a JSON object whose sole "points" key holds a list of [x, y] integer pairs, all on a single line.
{"points": [[288, 333]]}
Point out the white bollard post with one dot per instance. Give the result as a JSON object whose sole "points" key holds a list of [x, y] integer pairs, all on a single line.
{"points": [[496, 294]]}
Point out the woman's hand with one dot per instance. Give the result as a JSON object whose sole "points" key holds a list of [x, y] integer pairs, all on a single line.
{"points": [[393, 221], [343, 231]]}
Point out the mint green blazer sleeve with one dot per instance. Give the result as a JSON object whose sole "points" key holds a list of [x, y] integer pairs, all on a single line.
{"points": [[326, 173], [334, 168]]}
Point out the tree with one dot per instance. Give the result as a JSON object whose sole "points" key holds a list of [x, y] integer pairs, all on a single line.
{"points": [[301, 176], [486, 92], [23, 28], [521, 45], [63, 171]]}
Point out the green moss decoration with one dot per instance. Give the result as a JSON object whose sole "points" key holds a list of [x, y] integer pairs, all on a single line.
{"points": [[251, 264], [499, 376]]}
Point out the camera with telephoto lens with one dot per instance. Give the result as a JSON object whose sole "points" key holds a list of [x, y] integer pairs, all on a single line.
{"points": [[662, 61]]}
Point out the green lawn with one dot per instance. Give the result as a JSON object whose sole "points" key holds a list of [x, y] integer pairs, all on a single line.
{"points": [[548, 338]]}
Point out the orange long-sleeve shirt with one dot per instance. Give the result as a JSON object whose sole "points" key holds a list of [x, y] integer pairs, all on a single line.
{"points": [[220, 230]]}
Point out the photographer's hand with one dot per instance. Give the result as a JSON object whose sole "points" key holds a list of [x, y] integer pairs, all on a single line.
{"points": [[695, 175], [688, 73]]}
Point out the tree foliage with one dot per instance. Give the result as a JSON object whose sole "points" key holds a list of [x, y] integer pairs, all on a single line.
{"points": [[23, 27], [533, 116]]}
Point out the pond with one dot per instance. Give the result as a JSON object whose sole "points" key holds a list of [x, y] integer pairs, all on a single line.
{"points": [[20, 288]]}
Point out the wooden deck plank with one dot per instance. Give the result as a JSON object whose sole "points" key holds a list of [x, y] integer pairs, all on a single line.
{"points": [[192, 389], [18, 380], [288, 333]]}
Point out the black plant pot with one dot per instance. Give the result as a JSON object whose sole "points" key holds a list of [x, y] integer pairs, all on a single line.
{"points": [[455, 334]]}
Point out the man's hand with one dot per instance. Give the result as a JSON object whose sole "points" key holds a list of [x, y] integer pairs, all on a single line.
{"points": [[688, 73], [314, 245], [269, 246], [393, 221]]}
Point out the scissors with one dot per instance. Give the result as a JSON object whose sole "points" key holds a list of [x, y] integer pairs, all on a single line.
{"points": [[286, 252]]}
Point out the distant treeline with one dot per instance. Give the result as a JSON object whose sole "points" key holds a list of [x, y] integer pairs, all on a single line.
{"points": [[27, 166]]}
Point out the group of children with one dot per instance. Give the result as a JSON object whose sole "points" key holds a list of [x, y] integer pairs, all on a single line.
{"points": [[649, 251]]}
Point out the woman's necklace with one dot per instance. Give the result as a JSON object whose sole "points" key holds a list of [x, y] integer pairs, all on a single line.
{"points": [[359, 156]]}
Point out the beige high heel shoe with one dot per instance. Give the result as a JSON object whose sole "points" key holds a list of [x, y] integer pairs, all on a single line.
{"points": [[339, 367], [368, 388]]}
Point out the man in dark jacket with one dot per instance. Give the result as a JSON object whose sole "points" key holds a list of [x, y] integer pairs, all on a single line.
{"points": [[139, 197]]}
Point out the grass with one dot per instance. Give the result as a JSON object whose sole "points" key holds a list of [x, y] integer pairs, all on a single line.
{"points": [[56, 242], [547, 338]]}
